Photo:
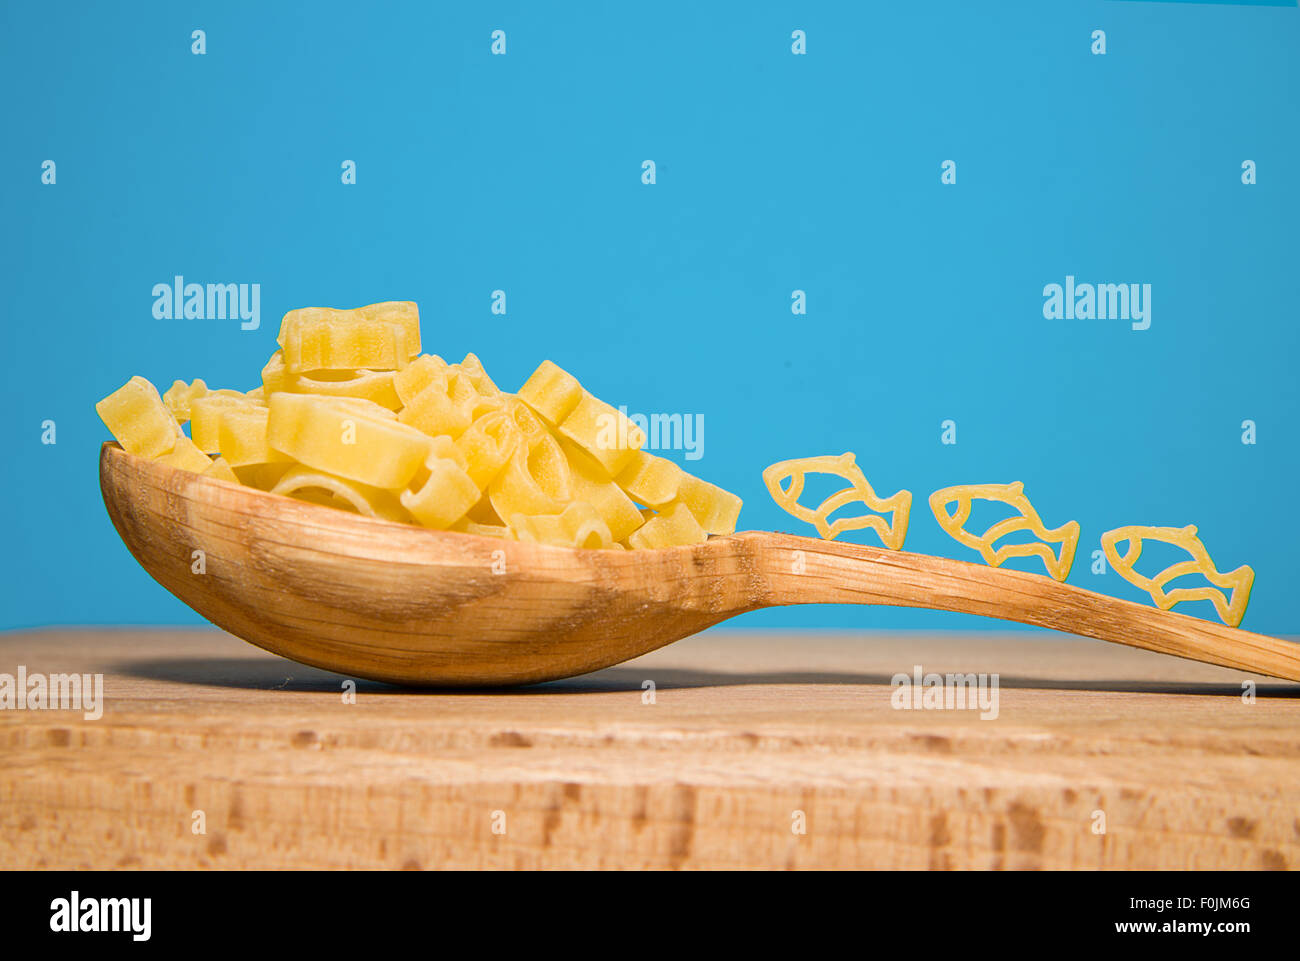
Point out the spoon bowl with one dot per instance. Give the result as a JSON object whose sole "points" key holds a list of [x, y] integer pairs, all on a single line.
{"points": [[394, 602]]}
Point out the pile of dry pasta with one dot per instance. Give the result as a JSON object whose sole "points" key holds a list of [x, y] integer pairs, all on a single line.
{"points": [[351, 415]]}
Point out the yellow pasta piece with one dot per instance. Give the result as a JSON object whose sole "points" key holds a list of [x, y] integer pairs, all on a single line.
{"points": [[186, 456], [417, 375], [550, 468], [262, 476], [243, 437], [398, 313], [484, 513], [552, 392], [674, 526], [322, 338], [359, 405], [139, 419], [578, 525], [603, 432], [1067, 535], [651, 480], [537, 481], [180, 394], [220, 469], [440, 448], [318, 495], [205, 427], [403, 313], [447, 493], [859, 490], [467, 526], [274, 376], [473, 368], [591, 484], [463, 386], [235, 426], [339, 436], [210, 395], [434, 412], [531, 427], [205, 418], [376, 386], [1239, 581], [714, 509], [305, 483], [487, 445], [460, 387]]}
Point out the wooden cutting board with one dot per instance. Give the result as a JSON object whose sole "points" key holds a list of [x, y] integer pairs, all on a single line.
{"points": [[747, 739]]}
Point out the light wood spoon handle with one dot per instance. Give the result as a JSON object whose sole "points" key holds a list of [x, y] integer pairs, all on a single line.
{"points": [[801, 570]]}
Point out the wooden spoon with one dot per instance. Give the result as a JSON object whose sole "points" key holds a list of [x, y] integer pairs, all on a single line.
{"points": [[399, 603]]}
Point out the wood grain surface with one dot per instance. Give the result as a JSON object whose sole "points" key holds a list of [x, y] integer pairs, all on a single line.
{"points": [[745, 732]]}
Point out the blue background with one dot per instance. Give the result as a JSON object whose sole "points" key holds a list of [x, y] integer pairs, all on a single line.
{"points": [[775, 172]]}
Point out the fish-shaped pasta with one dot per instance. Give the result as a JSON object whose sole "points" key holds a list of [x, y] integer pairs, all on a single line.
{"points": [[953, 523], [859, 490], [1240, 581]]}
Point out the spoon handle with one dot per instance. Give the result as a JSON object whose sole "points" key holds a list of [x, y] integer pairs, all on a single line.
{"points": [[803, 570]]}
